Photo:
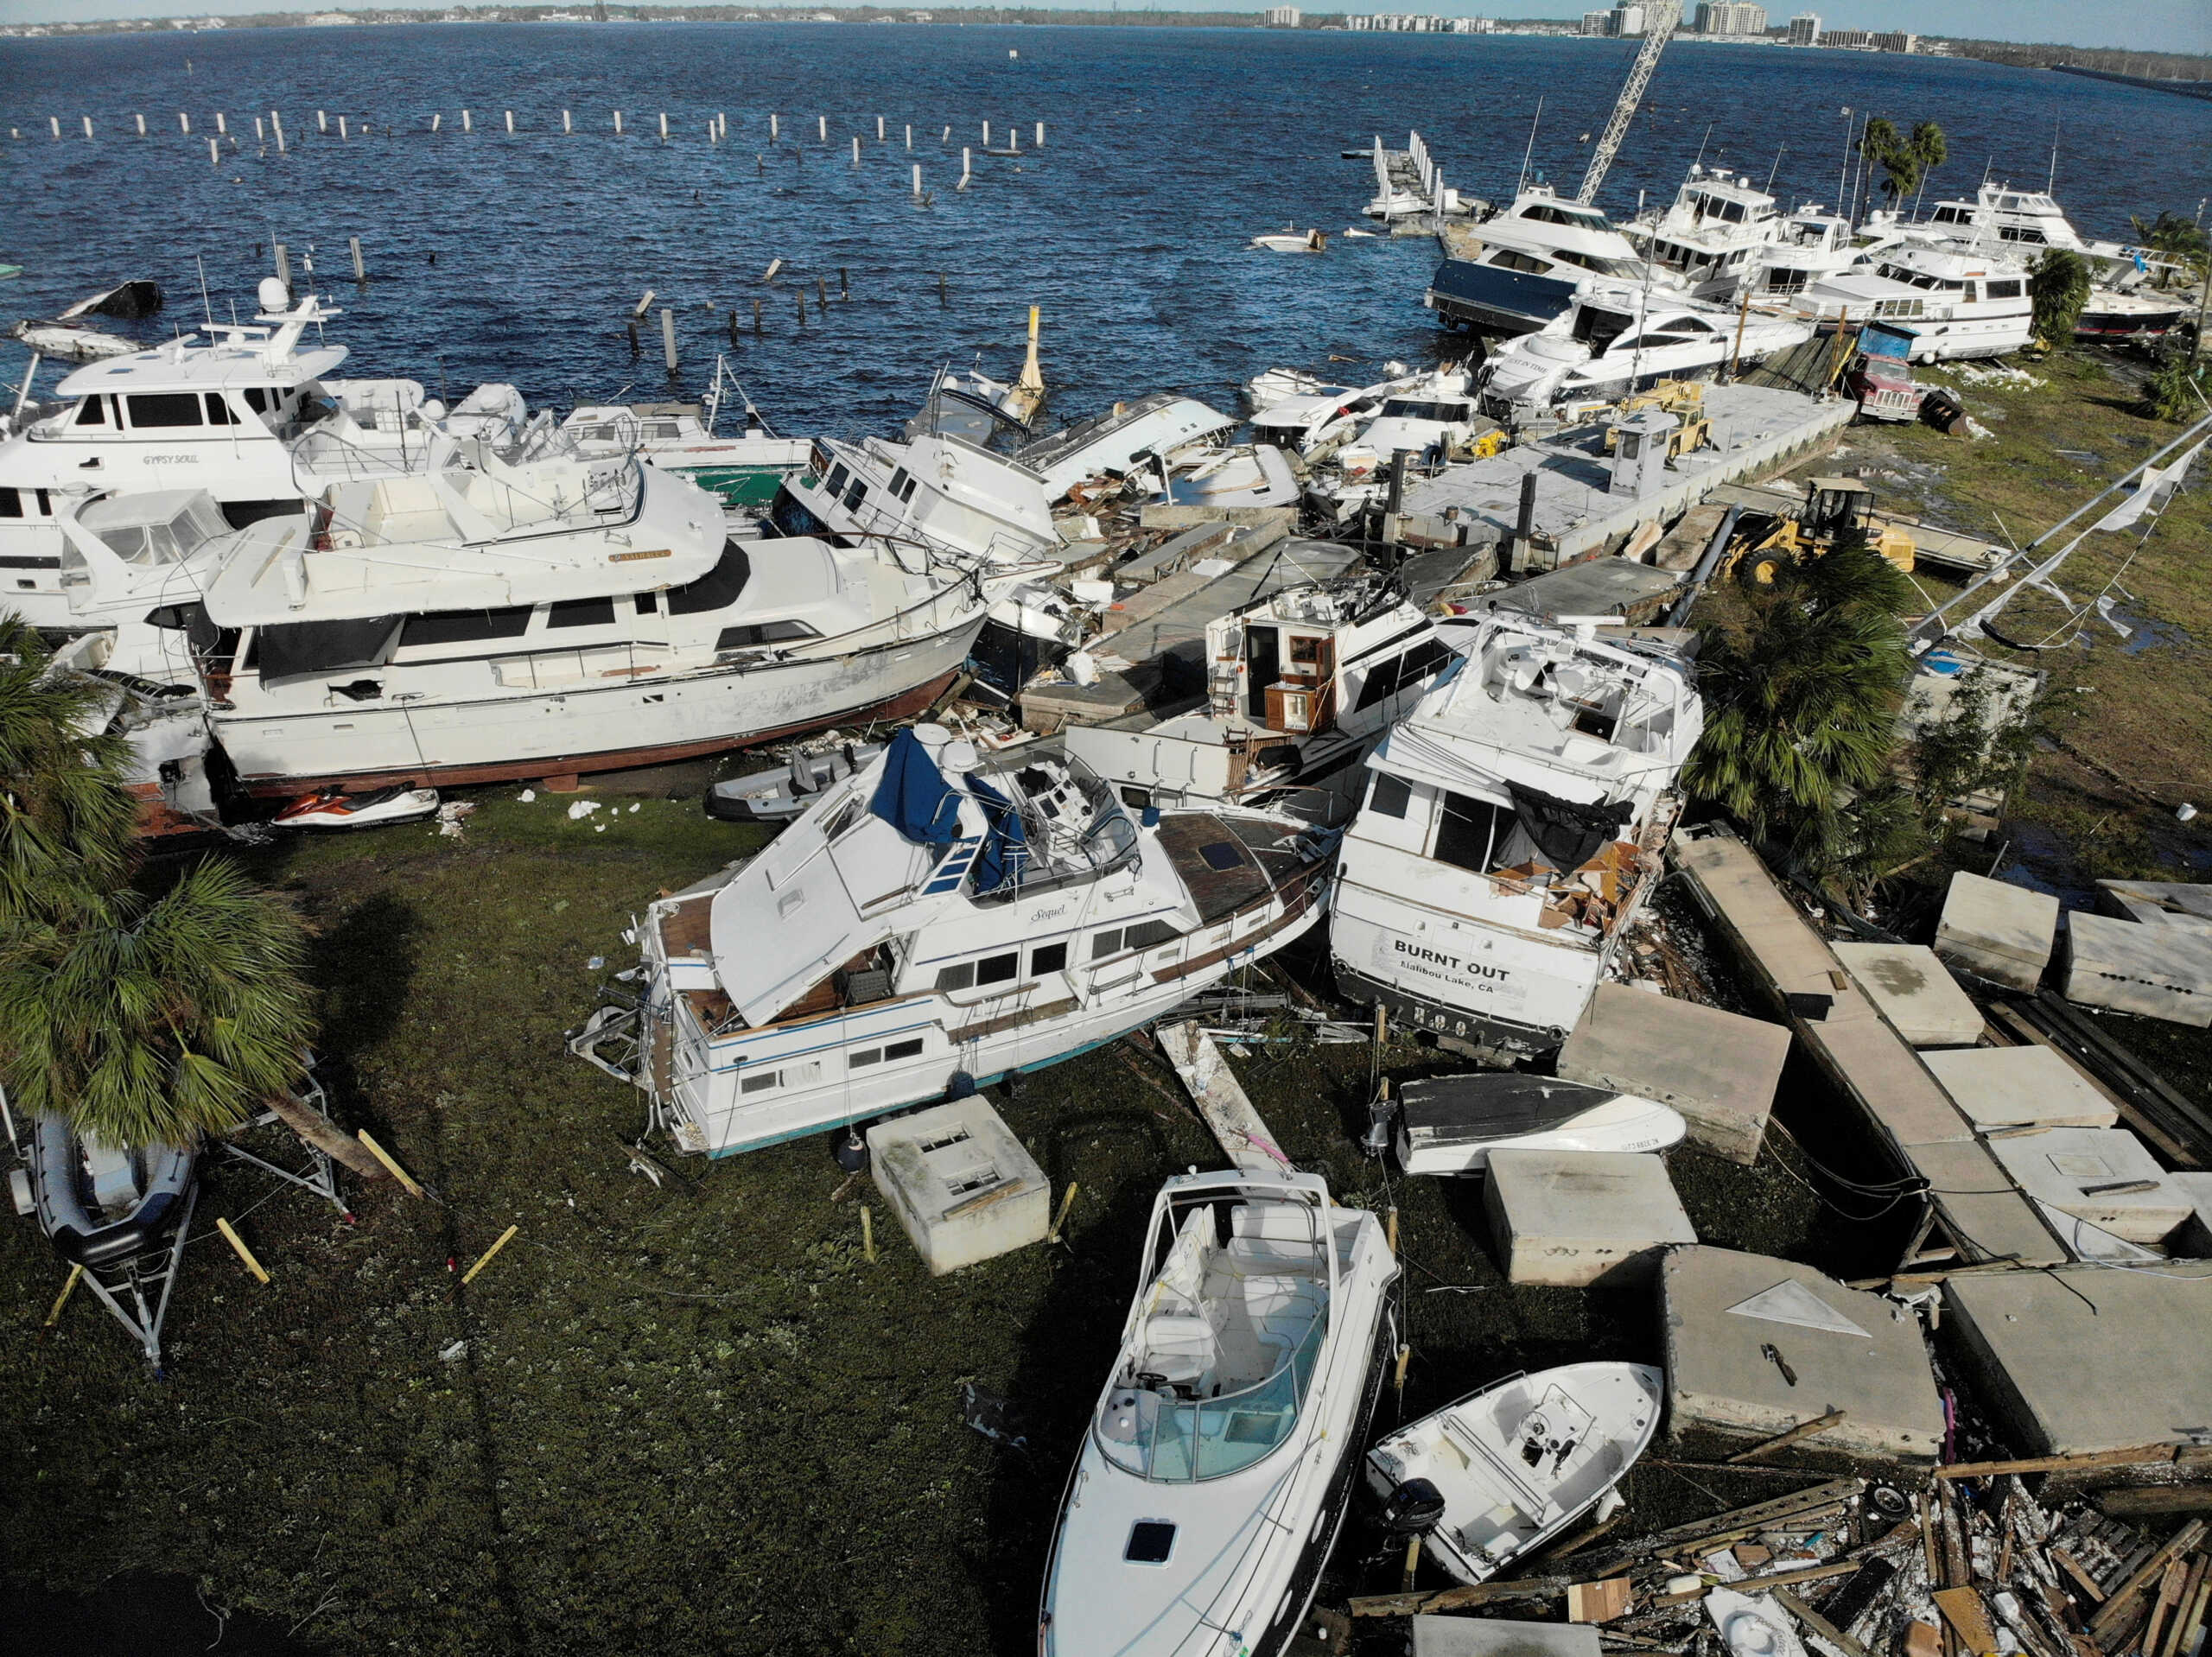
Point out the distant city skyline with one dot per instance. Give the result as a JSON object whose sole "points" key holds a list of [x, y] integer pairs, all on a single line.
{"points": [[2148, 26]]}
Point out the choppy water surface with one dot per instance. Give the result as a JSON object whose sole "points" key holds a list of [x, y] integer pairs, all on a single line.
{"points": [[518, 258]]}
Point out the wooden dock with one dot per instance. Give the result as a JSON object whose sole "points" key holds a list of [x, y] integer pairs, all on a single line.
{"points": [[1984, 1217]]}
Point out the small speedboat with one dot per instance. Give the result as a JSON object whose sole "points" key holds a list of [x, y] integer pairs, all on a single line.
{"points": [[101, 1205], [1265, 389], [1517, 1462], [1291, 239], [73, 342], [1041, 610], [333, 808], [780, 795], [1216, 1472], [1450, 1124]]}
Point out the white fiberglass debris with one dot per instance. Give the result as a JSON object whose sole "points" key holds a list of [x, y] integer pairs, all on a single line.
{"points": [[526, 797], [581, 809]]}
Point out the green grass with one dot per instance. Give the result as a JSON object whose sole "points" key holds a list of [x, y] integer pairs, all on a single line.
{"points": [[689, 1419]]}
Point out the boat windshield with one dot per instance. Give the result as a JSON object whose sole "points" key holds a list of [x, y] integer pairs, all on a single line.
{"points": [[1073, 826], [1173, 1440]]}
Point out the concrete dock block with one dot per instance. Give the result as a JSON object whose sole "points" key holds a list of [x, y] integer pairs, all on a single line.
{"points": [[960, 1182], [1915, 992], [2103, 1175], [2088, 1358], [2003, 933], [1730, 1322], [1718, 1068], [2162, 971], [2186, 904], [1568, 1219], [2019, 1087], [1483, 1636]]}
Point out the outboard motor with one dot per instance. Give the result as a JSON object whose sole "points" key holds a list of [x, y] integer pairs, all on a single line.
{"points": [[1381, 1123], [1414, 1508]]}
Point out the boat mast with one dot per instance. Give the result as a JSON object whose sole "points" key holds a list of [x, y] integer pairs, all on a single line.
{"points": [[1661, 21]]}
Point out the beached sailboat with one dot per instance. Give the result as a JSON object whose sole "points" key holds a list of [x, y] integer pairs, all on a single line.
{"points": [[1521, 1460], [935, 921], [1511, 829], [1216, 1468]]}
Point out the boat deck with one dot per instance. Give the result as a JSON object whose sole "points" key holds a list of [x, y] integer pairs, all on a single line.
{"points": [[1227, 863]]}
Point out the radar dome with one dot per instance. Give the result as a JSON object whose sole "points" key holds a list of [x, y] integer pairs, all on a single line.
{"points": [[274, 295]]}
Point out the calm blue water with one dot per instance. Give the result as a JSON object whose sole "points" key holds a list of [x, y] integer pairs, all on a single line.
{"points": [[1167, 149]]}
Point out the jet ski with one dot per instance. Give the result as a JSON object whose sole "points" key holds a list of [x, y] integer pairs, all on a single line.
{"points": [[332, 808]]}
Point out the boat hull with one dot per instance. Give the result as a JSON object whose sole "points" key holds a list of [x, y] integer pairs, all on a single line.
{"points": [[537, 734], [1483, 299]]}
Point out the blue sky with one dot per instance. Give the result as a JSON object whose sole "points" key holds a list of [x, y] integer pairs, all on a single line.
{"points": [[2143, 25]]}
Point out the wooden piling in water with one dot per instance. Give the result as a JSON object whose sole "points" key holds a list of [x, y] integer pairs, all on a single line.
{"points": [[1040, 134], [844, 287], [757, 329], [184, 123], [820, 294], [276, 126], [341, 129], [54, 122], [567, 124], [987, 135], [856, 149], [967, 166], [879, 129], [222, 124], [142, 126], [910, 135], [360, 274], [774, 134], [436, 122], [732, 326], [618, 123], [510, 120], [321, 121], [668, 337], [467, 124], [88, 127], [636, 350], [821, 128], [663, 126], [215, 154], [801, 292], [918, 180]]}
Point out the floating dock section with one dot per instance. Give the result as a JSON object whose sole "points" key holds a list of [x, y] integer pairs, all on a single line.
{"points": [[1979, 1207], [1577, 512]]}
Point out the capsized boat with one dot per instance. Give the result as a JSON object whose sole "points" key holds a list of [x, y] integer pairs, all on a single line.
{"points": [[1158, 430], [1512, 828], [1521, 1460], [1310, 424], [1216, 1468], [744, 470], [936, 920], [1291, 239], [1450, 1124]]}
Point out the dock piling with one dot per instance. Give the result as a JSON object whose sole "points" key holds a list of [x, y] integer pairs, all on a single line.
{"points": [[184, 123], [941, 293], [801, 292], [618, 123], [636, 350], [510, 120], [987, 135], [436, 121], [967, 166], [222, 124], [360, 272], [772, 133], [769, 274], [567, 124], [88, 127], [856, 149], [215, 154], [467, 122], [910, 135], [259, 137], [142, 126], [918, 180], [732, 326], [663, 126], [321, 121], [757, 329], [54, 122], [821, 295], [879, 129], [821, 128], [276, 126], [341, 129], [1040, 134], [844, 287], [668, 337]]}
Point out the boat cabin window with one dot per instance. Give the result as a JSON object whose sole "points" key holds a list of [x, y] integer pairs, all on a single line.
{"points": [[755, 634], [999, 969], [465, 626], [1389, 795], [219, 412], [1683, 328], [1393, 674], [1145, 934], [648, 604], [2022, 233], [1509, 258], [1951, 216], [1106, 943], [760, 1082], [580, 612], [961, 977], [1597, 327], [150, 409], [1711, 207], [2004, 290], [1471, 833], [902, 485], [1049, 957], [715, 590], [1600, 264], [840, 474], [257, 399], [93, 411]]}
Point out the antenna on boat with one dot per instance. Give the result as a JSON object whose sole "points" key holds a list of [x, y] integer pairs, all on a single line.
{"points": [[204, 304], [2050, 180], [1771, 171], [1701, 144], [1529, 154]]}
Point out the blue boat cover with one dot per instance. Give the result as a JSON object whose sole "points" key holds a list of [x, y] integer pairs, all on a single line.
{"points": [[1006, 845], [913, 796]]}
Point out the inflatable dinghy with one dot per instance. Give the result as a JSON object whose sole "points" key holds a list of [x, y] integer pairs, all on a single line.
{"points": [[101, 1206]]}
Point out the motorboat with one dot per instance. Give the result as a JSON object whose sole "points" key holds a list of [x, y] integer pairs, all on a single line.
{"points": [[1247, 476], [1428, 420], [1274, 385], [164, 730], [938, 493], [1512, 828], [1615, 341], [1301, 684], [779, 794], [478, 622], [1312, 424], [1521, 1460], [250, 415], [1291, 239], [1709, 238], [1814, 243], [1157, 430], [1450, 1124], [2020, 224], [935, 921], [73, 342], [744, 470], [2114, 313], [1513, 272], [1041, 610], [332, 808], [1216, 1468], [134, 567], [1956, 304]]}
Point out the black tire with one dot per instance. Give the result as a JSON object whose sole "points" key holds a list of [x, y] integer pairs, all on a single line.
{"points": [[1760, 569]]}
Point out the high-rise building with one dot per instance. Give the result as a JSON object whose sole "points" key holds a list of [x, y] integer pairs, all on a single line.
{"points": [[1805, 29], [1731, 17], [1280, 17], [1847, 39], [1628, 19], [1597, 22], [1896, 41]]}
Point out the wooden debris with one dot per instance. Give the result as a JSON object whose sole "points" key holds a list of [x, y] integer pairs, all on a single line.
{"points": [[1458, 1599], [239, 1248], [485, 1259], [1817, 1625], [2146, 1454], [2153, 1502], [1598, 1602], [1967, 1617], [1783, 1440]]}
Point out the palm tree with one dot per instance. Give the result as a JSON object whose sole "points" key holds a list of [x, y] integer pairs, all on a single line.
{"points": [[2059, 283], [1801, 685], [2183, 240], [66, 819], [1905, 160]]}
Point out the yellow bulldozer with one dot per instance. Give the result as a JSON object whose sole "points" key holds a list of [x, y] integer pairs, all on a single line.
{"points": [[1836, 510]]}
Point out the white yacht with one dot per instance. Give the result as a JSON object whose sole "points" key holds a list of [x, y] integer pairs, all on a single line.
{"points": [[1619, 340], [472, 624], [940, 492], [1710, 235], [934, 922], [1512, 828], [1312, 424], [1426, 420], [745, 472], [1517, 269], [1814, 243], [1216, 1471], [2018, 225], [1158, 430], [1956, 304], [1301, 683], [135, 568], [247, 413]]}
